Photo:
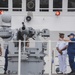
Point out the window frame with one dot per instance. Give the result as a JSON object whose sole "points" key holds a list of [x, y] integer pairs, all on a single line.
{"points": [[16, 8], [44, 9], [70, 9], [58, 8], [5, 8]]}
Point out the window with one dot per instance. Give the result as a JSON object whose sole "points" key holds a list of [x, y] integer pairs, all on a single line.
{"points": [[44, 5], [30, 5], [71, 5], [4, 5], [57, 5], [17, 5]]}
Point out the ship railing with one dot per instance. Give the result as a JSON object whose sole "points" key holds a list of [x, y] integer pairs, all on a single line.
{"points": [[52, 56], [49, 56], [52, 65]]}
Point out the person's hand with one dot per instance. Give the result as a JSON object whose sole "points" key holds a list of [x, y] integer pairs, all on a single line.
{"points": [[60, 52], [0, 53], [61, 39]]}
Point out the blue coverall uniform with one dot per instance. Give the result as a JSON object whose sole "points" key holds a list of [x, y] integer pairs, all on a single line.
{"points": [[6, 60], [71, 54]]}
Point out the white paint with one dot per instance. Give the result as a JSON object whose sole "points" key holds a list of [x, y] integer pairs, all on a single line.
{"points": [[61, 23]]}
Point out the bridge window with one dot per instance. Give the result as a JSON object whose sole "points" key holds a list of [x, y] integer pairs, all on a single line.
{"points": [[30, 5], [71, 5], [44, 5], [57, 5], [4, 5], [17, 5]]}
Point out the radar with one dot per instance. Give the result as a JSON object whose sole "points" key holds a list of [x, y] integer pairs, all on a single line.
{"points": [[6, 18]]}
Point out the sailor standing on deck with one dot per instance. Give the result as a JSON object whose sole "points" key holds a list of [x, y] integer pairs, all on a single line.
{"points": [[71, 53], [62, 53], [6, 61]]}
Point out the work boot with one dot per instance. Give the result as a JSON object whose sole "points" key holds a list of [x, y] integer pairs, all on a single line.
{"points": [[71, 73], [60, 73], [5, 72]]}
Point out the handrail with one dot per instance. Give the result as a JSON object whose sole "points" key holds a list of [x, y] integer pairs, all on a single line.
{"points": [[38, 41], [49, 55]]}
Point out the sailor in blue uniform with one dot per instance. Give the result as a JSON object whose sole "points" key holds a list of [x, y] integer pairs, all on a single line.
{"points": [[71, 53], [6, 60]]}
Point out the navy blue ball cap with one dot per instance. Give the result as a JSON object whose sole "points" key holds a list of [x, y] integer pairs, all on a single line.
{"points": [[71, 34]]}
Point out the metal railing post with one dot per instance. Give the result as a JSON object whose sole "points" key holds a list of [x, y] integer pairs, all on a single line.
{"points": [[19, 59], [50, 57]]}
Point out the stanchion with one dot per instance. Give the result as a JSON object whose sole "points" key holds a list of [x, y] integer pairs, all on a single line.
{"points": [[50, 56], [19, 59]]}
